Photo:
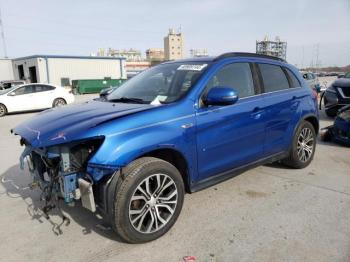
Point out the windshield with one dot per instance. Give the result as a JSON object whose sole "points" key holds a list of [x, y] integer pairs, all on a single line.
{"points": [[164, 83], [347, 75], [7, 90]]}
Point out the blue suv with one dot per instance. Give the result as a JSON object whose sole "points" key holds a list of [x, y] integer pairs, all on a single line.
{"points": [[177, 127]]}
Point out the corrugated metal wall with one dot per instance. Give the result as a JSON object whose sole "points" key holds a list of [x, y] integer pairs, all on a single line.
{"points": [[6, 72], [75, 68]]}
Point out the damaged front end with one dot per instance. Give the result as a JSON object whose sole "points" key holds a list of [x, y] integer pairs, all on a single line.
{"points": [[339, 132], [60, 172]]}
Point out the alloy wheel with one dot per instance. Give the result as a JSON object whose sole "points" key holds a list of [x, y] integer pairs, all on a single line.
{"points": [[2, 110], [59, 102], [305, 145], [153, 203]]}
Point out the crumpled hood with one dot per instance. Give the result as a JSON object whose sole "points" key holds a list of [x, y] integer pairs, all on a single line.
{"points": [[69, 123]]}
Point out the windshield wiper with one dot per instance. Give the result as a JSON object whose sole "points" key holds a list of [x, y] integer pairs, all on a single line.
{"points": [[128, 99]]}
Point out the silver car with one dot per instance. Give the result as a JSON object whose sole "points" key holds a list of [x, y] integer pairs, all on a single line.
{"points": [[312, 81]]}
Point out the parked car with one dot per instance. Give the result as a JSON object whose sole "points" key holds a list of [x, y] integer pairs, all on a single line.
{"points": [[339, 132], [10, 83], [336, 96], [33, 97], [177, 127], [312, 81]]}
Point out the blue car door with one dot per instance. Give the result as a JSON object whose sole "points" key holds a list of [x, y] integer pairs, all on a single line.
{"points": [[230, 136], [282, 97]]}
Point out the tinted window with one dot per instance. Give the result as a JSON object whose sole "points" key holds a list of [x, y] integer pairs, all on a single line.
{"points": [[294, 82], [237, 76], [48, 88], [42, 88], [273, 77], [24, 90]]}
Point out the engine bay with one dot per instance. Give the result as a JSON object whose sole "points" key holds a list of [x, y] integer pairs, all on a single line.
{"points": [[60, 173]]}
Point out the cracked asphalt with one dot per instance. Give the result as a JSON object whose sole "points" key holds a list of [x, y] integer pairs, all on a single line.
{"points": [[270, 213]]}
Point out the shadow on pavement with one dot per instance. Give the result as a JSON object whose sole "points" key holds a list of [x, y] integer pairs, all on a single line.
{"points": [[16, 184]]}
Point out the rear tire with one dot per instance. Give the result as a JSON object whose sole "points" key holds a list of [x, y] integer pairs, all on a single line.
{"points": [[3, 110], [148, 200], [58, 102], [303, 146]]}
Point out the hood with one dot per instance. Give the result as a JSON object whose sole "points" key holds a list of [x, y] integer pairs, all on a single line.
{"points": [[68, 123], [342, 82]]}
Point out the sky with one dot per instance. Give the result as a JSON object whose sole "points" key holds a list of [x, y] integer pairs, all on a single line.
{"points": [[312, 28]]}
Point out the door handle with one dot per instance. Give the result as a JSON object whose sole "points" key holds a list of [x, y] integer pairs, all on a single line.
{"points": [[257, 112]]}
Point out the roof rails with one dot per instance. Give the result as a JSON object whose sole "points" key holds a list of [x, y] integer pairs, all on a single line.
{"points": [[244, 54]]}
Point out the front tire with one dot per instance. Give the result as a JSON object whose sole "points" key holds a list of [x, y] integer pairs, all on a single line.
{"points": [[303, 146], [3, 110], [148, 200]]}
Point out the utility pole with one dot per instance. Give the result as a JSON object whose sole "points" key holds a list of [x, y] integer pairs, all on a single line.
{"points": [[3, 35]]}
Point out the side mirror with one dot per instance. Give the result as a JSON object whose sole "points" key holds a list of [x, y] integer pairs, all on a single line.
{"points": [[221, 96], [12, 94]]}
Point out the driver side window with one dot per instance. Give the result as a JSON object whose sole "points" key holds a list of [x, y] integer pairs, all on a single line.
{"points": [[237, 76]]}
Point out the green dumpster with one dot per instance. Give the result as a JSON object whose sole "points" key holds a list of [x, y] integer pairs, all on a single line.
{"points": [[89, 86]]}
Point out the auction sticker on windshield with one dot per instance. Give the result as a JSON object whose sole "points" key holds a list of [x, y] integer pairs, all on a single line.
{"points": [[192, 67]]}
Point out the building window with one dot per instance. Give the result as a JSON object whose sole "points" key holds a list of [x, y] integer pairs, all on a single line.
{"points": [[65, 81]]}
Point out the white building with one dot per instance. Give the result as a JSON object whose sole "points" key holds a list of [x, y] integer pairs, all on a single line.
{"points": [[6, 71], [61, 70], [199, 52]]}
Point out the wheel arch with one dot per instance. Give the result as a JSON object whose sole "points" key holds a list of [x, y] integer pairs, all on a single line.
{"points": [[6, 109], [312, 119], [174, 157]]}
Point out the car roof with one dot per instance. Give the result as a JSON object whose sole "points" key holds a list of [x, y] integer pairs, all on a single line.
{"points": [[226, 55]]}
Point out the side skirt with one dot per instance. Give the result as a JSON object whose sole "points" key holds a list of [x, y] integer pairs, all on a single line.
{"points": [[213, 180]]}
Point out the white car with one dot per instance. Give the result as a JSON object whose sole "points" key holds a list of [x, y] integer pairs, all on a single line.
{"points": [[33, 97]]}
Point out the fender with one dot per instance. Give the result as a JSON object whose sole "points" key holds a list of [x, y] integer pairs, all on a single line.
{"points": [[308, 115], [119, 150]]}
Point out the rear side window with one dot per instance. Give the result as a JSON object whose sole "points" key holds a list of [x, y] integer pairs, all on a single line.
{"points": [[237, 76], [42, 88], [294, 82], [273, 77]]}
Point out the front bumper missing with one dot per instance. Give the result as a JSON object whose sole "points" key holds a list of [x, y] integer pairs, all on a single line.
{"points": [[56, 181]]}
